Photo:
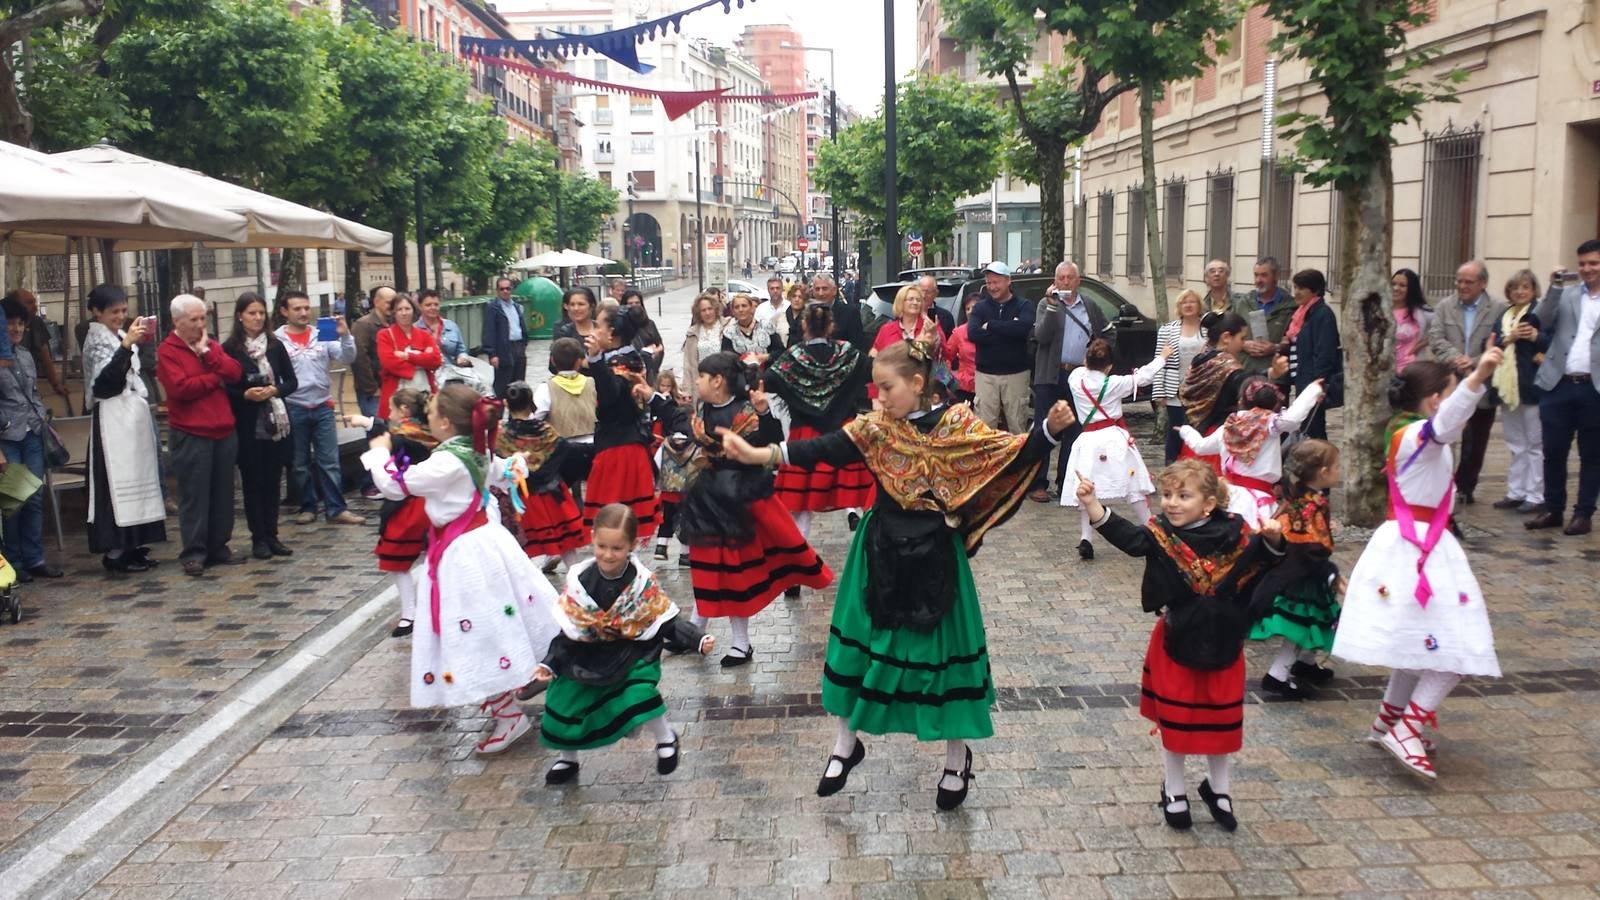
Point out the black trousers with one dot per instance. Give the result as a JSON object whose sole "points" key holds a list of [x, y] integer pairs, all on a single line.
{"points": [[1474, 446], [261, 465], [205, 492], [512, 368], [1571, 411], [1044, 397]]}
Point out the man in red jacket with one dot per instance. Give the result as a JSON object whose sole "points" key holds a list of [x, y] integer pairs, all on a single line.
{"points": [[192, 369]]}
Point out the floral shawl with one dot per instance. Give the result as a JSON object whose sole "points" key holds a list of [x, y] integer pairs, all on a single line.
{"points": [[816, 389], [1202, 574], [1203, 385], [638, 614], [1305, 520], [1246, 431]]}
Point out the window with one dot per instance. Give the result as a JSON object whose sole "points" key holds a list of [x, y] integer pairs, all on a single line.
{"points": [[240, 260], [323, 272], [1219, 217], [644, 181], [641, 106], [206, 261], [1107, 216], [643, 146], [605, 177], [1275, 235], [1080, 231], [1335, 239], [1449, 204], [601, 70], [1135, 233], [1172, 230], [602, 110]]}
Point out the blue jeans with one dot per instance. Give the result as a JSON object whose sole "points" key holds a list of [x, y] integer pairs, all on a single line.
{"points": [[367, 404], [316, 458], [25, 528]]}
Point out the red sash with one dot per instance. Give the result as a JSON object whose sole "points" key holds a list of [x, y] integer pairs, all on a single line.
{"points": [[1104, 423], [441, 538]]}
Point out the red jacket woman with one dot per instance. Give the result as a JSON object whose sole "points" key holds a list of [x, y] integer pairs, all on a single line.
{"points": [[403, 351]]}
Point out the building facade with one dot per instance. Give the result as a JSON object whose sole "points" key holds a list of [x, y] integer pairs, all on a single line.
{"points": [[777, 52]]}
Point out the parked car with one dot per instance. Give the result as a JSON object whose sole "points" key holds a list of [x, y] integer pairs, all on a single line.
{"points": [[740, 286], [788, 265]]}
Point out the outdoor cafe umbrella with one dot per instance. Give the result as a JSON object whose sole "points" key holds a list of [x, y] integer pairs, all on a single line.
{"points": [[561, 259]]}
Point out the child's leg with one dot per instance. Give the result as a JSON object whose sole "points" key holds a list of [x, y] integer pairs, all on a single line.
{"points": [[802, 523], [844, 744], [1172, 780], [1402, 683], [955, 760], [570, 558], [1219, 771], [663, 734], [1432, 688], [1085, 530], [741, 633], [406, 586], [1285, 658], [669, 522]]}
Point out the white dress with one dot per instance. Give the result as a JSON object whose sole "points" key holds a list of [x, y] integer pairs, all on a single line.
{"points": [[1107, 456], [1382, 622], [1249, 501], [495, 618]]}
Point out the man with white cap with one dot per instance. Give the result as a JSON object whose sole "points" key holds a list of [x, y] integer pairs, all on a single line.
{"points": [[999, 327]]}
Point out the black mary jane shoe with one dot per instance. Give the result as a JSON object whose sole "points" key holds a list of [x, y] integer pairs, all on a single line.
{"points": [[792, 593], [830, 785], [402, 628], [947, 799], [1310, 673], [1085, 550], [142, 555], [1288, 690], [1223, 817], [666, 765], [1180, 820], [729, 661], [562, 772], [127, 562], [853, 519]]}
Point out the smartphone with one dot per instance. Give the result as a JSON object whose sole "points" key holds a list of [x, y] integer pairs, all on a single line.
{"points": [[149, 329]]}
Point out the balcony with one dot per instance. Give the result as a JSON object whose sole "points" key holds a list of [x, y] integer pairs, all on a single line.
{"points": [[602, 116], [605, 156]]}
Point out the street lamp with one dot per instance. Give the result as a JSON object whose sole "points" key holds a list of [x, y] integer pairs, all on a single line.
{"points": [[833, 136]]}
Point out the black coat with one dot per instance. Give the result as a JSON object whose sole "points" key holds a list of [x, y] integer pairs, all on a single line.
{"points": [[1316, 353], [1528, 355], [246, 412]]}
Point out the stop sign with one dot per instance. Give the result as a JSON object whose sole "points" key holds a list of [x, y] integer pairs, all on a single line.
{"points": [[915, 247], [802, 244]]}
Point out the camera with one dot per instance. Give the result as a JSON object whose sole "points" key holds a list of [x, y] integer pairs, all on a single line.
{"points": [[257, 379]]}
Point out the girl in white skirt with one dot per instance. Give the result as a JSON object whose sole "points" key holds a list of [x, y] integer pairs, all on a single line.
{"points": [[1412, 604], [1250, 445], [484, 613], [1105, 453]]}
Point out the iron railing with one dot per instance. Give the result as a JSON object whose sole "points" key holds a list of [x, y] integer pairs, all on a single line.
{"points": [[1449, 204], [1136, 232], [1275, 236], [1219, 216], [1107, 225], [1172, 218]]}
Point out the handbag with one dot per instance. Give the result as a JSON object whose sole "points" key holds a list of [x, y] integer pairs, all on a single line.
{"points": [[911, 570], [56, 453]]}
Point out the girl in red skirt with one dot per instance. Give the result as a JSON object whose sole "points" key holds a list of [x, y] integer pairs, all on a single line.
{"points": [[623, 471], [552, 527], [402, 523], [1199, 562], [674, 460], [819, 382], [744, 548]]}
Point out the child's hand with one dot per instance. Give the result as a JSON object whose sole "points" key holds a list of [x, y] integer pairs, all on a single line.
{"points": [[735, 447], [1271, 531], [758, 399], [707, 644], [543, 673], [1341, 585], [1085, 490]]}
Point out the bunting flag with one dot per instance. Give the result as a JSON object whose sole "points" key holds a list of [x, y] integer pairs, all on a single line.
{"points": [[675, 103], [618, 45]]}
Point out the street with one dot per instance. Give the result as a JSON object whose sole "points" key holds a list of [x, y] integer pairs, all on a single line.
{"points": [[248, 736]]}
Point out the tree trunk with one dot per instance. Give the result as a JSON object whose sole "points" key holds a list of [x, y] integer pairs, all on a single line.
{"points": [[291, 273], [438, 269], [1368, 334], [401, 224], [352, 281], [1152, 218], [1052, 211]]}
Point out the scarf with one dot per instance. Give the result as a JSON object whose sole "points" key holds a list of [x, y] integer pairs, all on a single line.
{"points": [[571, 382], [1391, 439], [811, 386], [1505, 376], [1299, 320], [273, 421], [638, 613], [1246, 431], [1201, 574], [530, 437], [962, 468], [1305, 520], [1204, 383]]}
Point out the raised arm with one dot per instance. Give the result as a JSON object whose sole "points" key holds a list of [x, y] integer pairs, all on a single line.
{"points": [[1294, 418]]}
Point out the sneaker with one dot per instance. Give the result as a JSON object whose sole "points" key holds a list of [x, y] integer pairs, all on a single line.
{"points": [[306, 517], [347, 518]]}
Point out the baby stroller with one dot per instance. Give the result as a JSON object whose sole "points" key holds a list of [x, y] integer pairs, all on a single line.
{"points": [[476, 374]]}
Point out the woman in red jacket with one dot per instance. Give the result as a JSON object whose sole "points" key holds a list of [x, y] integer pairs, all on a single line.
{"points": [[407, 356]]}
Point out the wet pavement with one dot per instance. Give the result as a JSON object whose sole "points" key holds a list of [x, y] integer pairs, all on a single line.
{"points": [[348, 793]]}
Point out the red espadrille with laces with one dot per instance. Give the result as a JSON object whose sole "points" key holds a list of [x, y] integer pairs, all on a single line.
{"points": [[1388, 714], [1404, 741], [509, 723]]}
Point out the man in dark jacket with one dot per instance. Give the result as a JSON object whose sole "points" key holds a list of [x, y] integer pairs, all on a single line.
{"points": [[503, 338], [999, 327], [846, 314], [1063, 326]]}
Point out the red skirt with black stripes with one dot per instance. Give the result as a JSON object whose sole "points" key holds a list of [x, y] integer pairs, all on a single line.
{"points": [[552, 525], [1196, 711], [824, 487], [623, 474], [403, 536], [742, 580]]}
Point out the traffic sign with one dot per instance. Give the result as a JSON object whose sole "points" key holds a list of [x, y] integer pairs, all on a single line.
{"points": [[802, 245], [812, 231], [915, 247]]}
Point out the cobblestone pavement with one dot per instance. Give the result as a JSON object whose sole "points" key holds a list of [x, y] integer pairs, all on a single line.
{"points": [[354, 795]]}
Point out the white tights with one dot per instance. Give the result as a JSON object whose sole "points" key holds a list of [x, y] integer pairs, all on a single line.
{"points": [[802, 522], [659, 729], [1219, 771], [1424, 687], [955, 755], [739, 624], [406, 586]]}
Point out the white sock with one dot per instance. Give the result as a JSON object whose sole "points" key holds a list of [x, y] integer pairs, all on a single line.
{"points": [[406, 587], [1085, 530], [1219, 771], [1309, 657], [1432, 688], [568, 756], [1172, 780], [802, 523], [662, 732], [570, 558], [843, 746], [741, 633], [1282, 662], [661, 542], [955, 759], [1141, 509]]}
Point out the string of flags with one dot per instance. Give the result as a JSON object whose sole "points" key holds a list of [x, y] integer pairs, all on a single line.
{"points": [[619, 44]]}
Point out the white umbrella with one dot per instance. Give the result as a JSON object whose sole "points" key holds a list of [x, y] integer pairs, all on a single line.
{"points": [[561, 259], [42, 201], [273, 221]]}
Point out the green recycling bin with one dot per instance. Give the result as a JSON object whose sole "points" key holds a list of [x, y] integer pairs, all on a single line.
{"points": [[541, 303]]}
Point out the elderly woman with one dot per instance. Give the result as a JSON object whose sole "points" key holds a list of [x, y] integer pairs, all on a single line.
{"points": [[126, 509], [1312, 345], [911, 323], [447, 334], [705, 335], [407, 353], [1189, 337]]}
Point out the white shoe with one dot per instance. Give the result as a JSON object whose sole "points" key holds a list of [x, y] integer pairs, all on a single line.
{"points": [[509, 721]]}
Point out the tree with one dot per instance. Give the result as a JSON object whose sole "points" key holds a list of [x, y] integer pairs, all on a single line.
{"points": [[947, 141], [1145, 43], [585, 202], [521, 179], [1357, 51]]}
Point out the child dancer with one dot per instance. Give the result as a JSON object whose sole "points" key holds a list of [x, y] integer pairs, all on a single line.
{"points": [[552, 527], [744, 550], [1199, 560], [488, 619], [1105, 452], [606, 661], [1412, 604], [1298, 600], [906, 649], [568, 402], [1249, 444], [673, 455], [819, 382], [623, 471], [402, 523]]}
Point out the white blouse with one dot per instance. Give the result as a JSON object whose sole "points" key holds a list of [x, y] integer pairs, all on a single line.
{"points": [[1424, 483], [1268, 464], [1084, 386], [441, 480]]}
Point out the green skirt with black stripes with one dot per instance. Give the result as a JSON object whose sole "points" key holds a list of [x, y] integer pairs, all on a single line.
{"points": [[585, 716], [934, 685]]}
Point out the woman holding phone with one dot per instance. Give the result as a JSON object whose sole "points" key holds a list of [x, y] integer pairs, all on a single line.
{"points": [[407, 354], [126, 509]]}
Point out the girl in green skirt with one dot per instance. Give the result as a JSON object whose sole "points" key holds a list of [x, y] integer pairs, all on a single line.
{"points": [[607, 660], [906, 650]]}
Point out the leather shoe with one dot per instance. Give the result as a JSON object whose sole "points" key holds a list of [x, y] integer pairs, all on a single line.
{"points": [[1578, 525], [1546, 519], [24, 576], [278, 549], [1507, 503], [260, 550], [1039, 495], [45, 570]]}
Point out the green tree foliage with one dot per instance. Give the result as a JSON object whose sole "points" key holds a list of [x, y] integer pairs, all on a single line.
{"points": [[585, 203], [521, 180], [948, 138], [1358, 52]]}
